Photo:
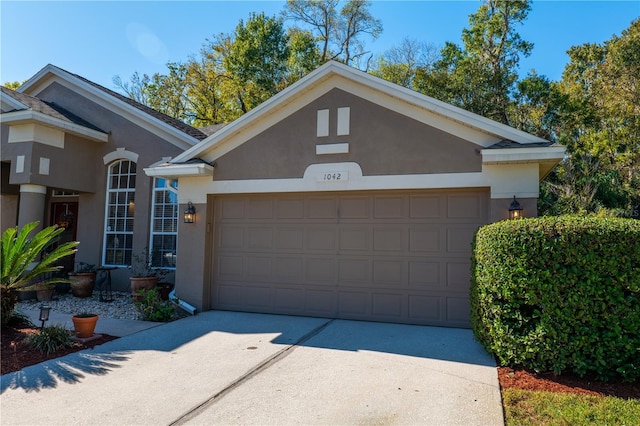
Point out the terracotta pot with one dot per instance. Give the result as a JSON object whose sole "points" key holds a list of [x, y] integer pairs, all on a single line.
{"points": [[44, 294], [142, 283], [84, 326], [82, 284]]}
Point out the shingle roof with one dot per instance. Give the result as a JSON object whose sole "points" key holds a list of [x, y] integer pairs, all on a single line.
{"points": [[209, 130], [183, 127], [511, 144], [47, 108]]}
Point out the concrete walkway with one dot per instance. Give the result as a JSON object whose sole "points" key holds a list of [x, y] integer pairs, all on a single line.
{"points": [[239, 368]]}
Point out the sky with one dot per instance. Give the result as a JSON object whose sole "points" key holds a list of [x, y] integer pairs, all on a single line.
{"points": [[101, 39]]}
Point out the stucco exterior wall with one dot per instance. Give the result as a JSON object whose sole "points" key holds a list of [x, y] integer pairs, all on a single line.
{"points": [[381, 141]]}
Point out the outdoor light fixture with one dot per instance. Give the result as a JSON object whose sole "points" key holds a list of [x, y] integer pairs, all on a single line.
{"points": [[189, 213], [44, 314], [515, 211]]}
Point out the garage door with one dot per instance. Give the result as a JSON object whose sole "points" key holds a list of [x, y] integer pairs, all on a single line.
{"points": [[380, 256]]}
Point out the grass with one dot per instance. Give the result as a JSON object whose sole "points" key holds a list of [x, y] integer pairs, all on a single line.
{"points": [[551, 408]]}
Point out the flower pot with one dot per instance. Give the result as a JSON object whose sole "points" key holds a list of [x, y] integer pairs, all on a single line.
{"points": [[44, 294], [84, 325], [164, 289], [142, 283], [82, 284]]}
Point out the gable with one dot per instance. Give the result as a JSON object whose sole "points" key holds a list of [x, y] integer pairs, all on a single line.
{"points": [[341, 127]]}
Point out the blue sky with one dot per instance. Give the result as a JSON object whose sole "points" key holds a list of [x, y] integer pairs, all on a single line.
{"points": [[99, 40]]}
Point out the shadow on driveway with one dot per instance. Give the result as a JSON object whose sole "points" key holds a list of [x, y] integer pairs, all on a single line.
{"points": [[447, 344]]}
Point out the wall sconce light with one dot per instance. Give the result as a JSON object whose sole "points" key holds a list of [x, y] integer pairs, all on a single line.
{"points": [[44, 314], [189, 213], [515, 211]]}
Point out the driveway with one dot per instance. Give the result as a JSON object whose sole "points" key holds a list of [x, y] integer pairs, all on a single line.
{"points": [[239, 368]]}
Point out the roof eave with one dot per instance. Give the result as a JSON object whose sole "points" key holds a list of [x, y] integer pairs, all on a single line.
{"points": [[29, 116], [170, 170], [184, 141]]}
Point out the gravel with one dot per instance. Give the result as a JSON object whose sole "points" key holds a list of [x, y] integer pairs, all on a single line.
{"points": [[121, 307]]}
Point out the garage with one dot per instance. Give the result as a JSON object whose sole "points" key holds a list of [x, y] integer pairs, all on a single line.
{"points": [[394, 256], [346, 196]]}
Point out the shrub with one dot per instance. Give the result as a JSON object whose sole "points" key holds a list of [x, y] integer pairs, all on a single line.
{"points": [[153, 308], [560, 294], [50, 339]]}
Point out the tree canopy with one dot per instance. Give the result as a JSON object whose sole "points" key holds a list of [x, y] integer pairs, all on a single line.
{"points": [[594, 109]]}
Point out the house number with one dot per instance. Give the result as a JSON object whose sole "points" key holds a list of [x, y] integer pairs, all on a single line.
{"points": [[333, 176]]}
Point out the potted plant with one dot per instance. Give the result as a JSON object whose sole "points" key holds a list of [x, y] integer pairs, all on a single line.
{"points": [[84, 324], [143, 275], [83, 280], [44, 292]]}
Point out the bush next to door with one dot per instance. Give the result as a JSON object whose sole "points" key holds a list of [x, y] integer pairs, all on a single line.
{"points": [[560, 294]]}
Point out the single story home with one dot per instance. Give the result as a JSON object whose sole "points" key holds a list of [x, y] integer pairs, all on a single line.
{"points": [[343, 196]]}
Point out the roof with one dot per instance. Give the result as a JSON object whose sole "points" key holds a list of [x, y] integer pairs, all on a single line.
{"points": [[170, 129], [191, 131], [47, 108], [511, 144]]}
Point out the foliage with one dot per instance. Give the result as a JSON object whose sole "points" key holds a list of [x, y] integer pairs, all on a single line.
{"points": [[339, 32], [153, 308], [400, 64], [559, 294], [50, 339], [546, 408], [83, 267], [598, 119], [13, 85], [142, 266], [481, 76], [26, 258]]}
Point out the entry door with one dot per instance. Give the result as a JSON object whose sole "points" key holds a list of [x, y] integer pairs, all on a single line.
{"points": [[65, 214]]}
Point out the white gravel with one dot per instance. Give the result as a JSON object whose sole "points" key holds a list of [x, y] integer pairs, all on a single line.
{"points": [[121, 307]]}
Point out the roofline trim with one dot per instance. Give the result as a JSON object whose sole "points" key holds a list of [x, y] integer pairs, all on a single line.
{"points": [[38, 83], [28, 116], [179, 170]]}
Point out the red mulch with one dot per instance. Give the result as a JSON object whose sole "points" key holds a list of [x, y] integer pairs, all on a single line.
{"points": [[17, 354], [523, 379]]}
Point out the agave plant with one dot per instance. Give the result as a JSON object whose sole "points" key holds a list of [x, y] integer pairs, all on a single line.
{"points": [[21, 264]]}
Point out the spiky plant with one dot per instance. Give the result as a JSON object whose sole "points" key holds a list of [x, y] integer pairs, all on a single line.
{"points": [[22, 262]]}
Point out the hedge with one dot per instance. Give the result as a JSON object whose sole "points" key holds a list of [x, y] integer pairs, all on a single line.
{"points": [[559, 294]]}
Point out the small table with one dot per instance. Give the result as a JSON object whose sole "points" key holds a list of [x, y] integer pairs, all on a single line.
{"points": [[103, 283]]}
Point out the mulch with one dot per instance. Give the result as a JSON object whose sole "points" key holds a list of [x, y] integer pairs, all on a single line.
{"points": [[569, 383], [17, 354]]}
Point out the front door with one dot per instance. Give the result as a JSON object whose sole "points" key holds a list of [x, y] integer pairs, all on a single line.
{"points": [[65, 214]]}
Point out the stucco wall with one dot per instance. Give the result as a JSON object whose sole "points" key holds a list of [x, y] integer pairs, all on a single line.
{"points": [[381, 141], [90, 172]]}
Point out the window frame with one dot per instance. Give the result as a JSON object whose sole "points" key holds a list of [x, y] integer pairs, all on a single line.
{"points": [[170, 186], [129, 208]]}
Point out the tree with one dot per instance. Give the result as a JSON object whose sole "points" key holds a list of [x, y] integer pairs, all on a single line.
{"points": [[481, 76], [13, 85], [19, 251], [599, 119], [339, 33], [400, 63]]}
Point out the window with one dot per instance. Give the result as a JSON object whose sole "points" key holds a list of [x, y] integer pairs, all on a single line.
{"points": [[164, 223], [118, 229]]}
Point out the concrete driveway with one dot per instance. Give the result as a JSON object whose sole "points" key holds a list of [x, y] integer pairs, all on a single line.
{"points": [[239, 368]]}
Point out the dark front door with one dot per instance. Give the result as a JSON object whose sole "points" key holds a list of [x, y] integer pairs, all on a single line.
{"points": [[65, 214]]}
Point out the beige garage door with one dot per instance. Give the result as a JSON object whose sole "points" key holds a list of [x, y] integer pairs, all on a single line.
{"points": [[382, 256]]}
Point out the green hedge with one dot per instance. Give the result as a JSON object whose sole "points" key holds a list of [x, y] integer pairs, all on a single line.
{"points": [[559, 294]]}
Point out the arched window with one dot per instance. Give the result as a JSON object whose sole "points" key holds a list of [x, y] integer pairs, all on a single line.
{"points": [[118, 228], [164, 223]]}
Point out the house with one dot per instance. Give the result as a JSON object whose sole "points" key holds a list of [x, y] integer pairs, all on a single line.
{"points": [[343, 196], [72, 154], [346, 196]]}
